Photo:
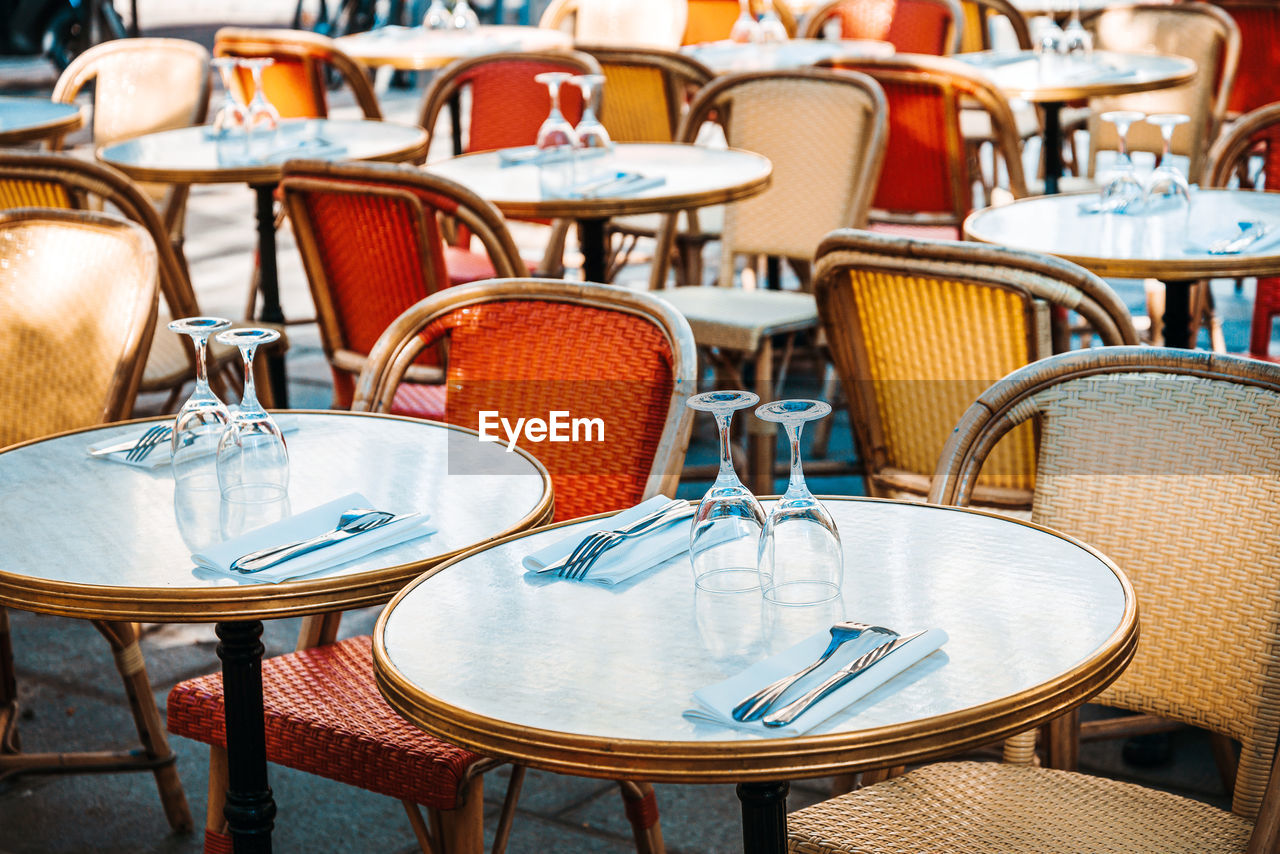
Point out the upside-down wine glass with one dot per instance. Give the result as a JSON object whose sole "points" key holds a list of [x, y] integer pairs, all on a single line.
{"points": [[253, 463], [771, 27], [557, 140], [745, 29], [201, 420], [1168, 196], [593, 140], [1123, 192], [260, 110], [438, 17], [1077, 42], [800, 559], [464, 17], [232, 115], [724, 538]]}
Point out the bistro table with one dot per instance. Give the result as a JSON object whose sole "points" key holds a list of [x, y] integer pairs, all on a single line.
{"points": [[1133, 246], [419, 49], [1022, 74], [102, 540], [725, 57], [28, 119], [593, 681], [198, 155], [693, 176]]}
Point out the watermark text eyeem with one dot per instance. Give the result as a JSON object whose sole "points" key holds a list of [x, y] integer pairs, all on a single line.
{"points": [[558, 426]]}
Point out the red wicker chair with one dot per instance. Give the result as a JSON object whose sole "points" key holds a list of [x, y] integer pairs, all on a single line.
{"points": [[632, 362], [911, 26], [371, 241], [1259, 23]]}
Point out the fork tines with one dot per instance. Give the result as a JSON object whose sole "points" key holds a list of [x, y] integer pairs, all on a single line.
{"points": [[147, 442]]}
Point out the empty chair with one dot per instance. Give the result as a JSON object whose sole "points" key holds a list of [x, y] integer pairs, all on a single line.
{"points": [[624, 23], [712, 20], [1259, 24], [1167, 462], [911, 26], [77, 308]]}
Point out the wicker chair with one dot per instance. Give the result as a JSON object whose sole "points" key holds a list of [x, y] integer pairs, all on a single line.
{"points": [[505, 351], [507, 106], [918, 328], [77, 309], [1259, 25], [822, 180], [141, 86], [712, 20], [926, 186], [1255, 137], [1167, 461], [63, 181], [371, 245], [623, 23], [912, 26]]}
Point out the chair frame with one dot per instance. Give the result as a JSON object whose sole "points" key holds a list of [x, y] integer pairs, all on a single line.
{"points": [[814, 20], [1033, 277], [979, 13]]}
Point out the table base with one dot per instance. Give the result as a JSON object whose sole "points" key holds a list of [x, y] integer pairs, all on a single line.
{"points": [[250, 810], [269, 285], [1177, 314], [1052, 146], [764, 817]]}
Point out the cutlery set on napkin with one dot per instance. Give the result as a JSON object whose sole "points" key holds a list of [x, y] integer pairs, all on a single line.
{"points": [[608, 184], [117, 450]]}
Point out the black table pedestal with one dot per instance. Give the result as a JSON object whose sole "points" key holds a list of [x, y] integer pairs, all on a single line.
{"points": [[764, 817], [1177, 314], [594, 252], [250, 810], [1052, 146], [269, 285]]}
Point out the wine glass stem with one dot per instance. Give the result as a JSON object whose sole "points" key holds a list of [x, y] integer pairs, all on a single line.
{"points": [[249, 399], [745, 5], [723, 419], [202, 377], [1166, 137], [1122, 149], [796, 485]]}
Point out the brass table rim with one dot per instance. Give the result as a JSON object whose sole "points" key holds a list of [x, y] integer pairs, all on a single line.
{"points": [[43, 130], [1084, 90], [1165, 269], [765, 759], [265, 173], [240, 602], [626, 205]]}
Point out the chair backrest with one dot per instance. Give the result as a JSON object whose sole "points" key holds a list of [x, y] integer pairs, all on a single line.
{"points": [[524, 348], [507, 104], [296, 84], [911, 26], [712, 20], [77, 311], [1259, 25], [822, 130], [371, 244], [647, 91], [1254, 137], [1198, 31], [1168, 462], [926, 177], [917, 329], [139, 86], [621, 23], [982, 18]]}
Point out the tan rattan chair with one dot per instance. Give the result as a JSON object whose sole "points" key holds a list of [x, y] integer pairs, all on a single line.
{"points": [[823, 131], [712, 20], [1168, 462], [633, 362], [911, 26], [141, 86], [623, 23], [919, 328], [77, 308]]}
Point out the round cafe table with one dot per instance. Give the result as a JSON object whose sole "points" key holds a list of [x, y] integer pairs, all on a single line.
{"points": [[1133, 246], [28, 119], [418, 49], [1021, 74], [692, 176], [725, 57], [196, 155], [593, 681], [102, 540]]}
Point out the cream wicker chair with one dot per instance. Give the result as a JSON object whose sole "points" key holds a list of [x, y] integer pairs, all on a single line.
{"points": [[77, 308], [1168, 461], [620, 23], [918, 328], [824, 132]]}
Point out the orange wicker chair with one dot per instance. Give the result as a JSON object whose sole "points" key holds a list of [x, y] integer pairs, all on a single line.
{"points": [[926, 185], [1259, 24], [371, 244], [625, 23], [918, 328], [1254, 138], [1166, 461], [911, 26], [712, 20], [507, 106], [632, 361], [77, 309]]}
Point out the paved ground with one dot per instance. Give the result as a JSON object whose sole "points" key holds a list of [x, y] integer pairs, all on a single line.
{"points": [[71, 699]]}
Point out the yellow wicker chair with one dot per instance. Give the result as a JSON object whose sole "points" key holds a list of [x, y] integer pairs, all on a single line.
{"points": [[712, 20], [77, 308], [824, 132], [624, 23], [1167, 461], [918, 328], [141, 86]]}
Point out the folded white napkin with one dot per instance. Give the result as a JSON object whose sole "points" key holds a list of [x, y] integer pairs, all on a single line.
{"points": [[630, 557], [312, 523], [716, 702], [161, 453]]}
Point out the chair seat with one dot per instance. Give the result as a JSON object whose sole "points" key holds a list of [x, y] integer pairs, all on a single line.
{"points": [[420, 401], [324, 715], [975, 124], [928, 232], [736, 319], [986, 807]]}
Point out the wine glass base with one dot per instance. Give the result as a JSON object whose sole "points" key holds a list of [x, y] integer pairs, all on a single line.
{"points": [[730, 580], [801, 593]]}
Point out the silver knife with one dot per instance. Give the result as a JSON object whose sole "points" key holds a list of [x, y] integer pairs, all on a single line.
{"points": [[793, 710], [126, 445], [346, 529], [1250, 233], [670, 512]]}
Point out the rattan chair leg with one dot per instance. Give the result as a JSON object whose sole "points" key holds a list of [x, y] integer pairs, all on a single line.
{"points": [[843, 784], [1227, 759], [1062, 741], [879, 775], [762, 435], [822, 430], [420, 829], [318, 630], [514, 783], [552, 264], [1020, 749], [461, 830], [8, 690], [214, 820], [641, 804]]}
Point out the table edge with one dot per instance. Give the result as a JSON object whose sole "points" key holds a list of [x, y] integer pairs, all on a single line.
{"points": [[1099, 90], [53, 127]]}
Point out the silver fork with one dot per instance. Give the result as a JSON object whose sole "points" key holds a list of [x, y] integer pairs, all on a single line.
{"points": [[147, 442], [576, 570], [590, 541]]}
